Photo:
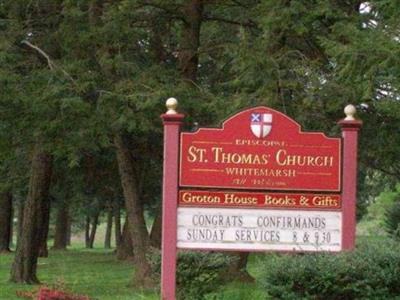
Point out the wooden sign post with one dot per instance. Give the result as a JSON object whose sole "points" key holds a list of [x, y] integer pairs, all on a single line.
{"points": [[350, 127], [172, 123], [257, 184]]}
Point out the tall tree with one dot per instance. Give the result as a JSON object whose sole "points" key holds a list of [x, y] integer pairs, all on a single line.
{"points": [[62, 226], [125, 246], [39, 89], [134, 210], [90, 78], [93, 230], [5, 221], [117, 224], [190, 40], [156, 228], [107, 238], [20, 218], [26, 256], [44, 227], [87, 232]]}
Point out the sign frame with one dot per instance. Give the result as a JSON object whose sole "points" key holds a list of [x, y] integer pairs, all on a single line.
{"points": [[217, 133], [172, 122]]}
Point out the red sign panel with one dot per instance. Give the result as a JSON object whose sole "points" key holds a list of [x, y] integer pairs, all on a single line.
{"points": [[260, 148], [196, 198]]}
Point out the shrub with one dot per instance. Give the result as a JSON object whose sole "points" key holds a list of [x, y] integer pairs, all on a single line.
{"points": [[370, 272], [198, 273], [392, 220], [238, 291]]}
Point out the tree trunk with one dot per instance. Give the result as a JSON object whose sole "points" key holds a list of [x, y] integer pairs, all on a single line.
{"points": [[155, 235], [12, 226], [69, 232], [107, 239], [20, 212], [5, 221], [237, 270], [44, 228], [125, 247], [25, 261], [117, 221], [190, 39], [95, 11], [93, 231], [61, 231], [87, 232], [134, 210]]}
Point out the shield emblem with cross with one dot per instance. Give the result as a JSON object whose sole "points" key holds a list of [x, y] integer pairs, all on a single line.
{"points": [[260, 124]]}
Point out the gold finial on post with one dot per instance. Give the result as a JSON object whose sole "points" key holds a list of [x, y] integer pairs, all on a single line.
{"points": [[171, 105], [350, 111]]}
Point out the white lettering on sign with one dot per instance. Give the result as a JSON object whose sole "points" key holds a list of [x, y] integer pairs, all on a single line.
{"points": [[259, 229]]}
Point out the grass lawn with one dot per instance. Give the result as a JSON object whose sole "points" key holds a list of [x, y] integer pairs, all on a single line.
{"points": [[96, 273]]}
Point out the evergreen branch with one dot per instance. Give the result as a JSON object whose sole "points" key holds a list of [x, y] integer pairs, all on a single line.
{"points": [[41, 52], [174, 13], [395, 173], [387, 172], [209, 48], [50, 63], [248, 23], [238, 3]]}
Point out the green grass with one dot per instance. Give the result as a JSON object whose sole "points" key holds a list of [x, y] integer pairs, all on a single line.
{"points": [[98, 274], [239, 291], [95, 273]]}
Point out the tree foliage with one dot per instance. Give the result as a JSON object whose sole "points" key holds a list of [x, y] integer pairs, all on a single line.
{"points": [[75, 75]]}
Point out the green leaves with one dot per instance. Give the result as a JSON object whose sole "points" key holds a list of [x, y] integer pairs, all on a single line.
{"points": [[113, 65], [370, 272], [198, 273]]}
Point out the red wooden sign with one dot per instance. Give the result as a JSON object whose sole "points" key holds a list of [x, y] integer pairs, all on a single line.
{"points": [[260, 148], [275, 188], [197, 198]]}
